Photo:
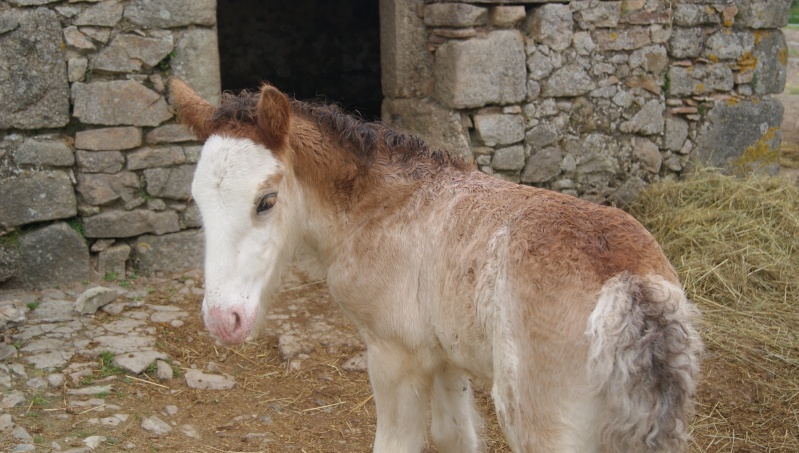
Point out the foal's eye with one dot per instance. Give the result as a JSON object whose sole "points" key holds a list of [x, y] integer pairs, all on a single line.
{"points": [[266, 202]]}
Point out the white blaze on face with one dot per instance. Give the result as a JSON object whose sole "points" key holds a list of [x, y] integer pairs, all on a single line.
{"points": [[245, 249]]}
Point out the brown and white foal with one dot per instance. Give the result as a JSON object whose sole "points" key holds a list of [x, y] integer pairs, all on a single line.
{"points": [[567, 309]]}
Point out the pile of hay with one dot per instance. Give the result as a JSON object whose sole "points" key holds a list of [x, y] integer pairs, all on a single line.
{"points": [[735, 244]]}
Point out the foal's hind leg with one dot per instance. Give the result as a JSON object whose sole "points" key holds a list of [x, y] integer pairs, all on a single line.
{"points": [[401, 392], [455, 422]]}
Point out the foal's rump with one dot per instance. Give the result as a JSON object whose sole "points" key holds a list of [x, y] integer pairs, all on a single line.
{"points": [[602, 355]]}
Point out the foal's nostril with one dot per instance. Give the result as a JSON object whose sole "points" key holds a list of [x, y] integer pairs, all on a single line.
{"points": [[236, 321]]}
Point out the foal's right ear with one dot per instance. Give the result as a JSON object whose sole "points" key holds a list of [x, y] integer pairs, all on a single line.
{"points": [[274, 114], [192, 110]]}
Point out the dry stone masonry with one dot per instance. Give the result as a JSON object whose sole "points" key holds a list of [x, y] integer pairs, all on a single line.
{"points": [[94, 170], [592, 98]]}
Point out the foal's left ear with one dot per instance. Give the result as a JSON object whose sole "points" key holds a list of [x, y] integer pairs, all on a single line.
{"points": [[274, 113], [192, 110]]}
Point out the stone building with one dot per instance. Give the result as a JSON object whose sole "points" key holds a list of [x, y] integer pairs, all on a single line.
{"points": [[591, 98]]}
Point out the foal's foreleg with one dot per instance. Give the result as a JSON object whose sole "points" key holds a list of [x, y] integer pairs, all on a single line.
{"points": [[455, 422], [401, 391]]}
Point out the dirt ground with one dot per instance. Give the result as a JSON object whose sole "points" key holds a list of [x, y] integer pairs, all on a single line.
{"points": [[322, 408]]}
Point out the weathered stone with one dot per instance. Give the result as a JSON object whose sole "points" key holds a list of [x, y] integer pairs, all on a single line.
{"points": [[648, 120], [170, 133], [691, 15], [164, 371], [33, 78], [113, 260], [122, 224], [30, 2], [191, 217], [541, 136], [506, 16], [171, 13], [654, 59], [132, 53], [749, 131], [174, 183], [170, 252], [724, 45], [155, 157], [660, 34], [119, 102], [440, 127], [454, 15], [196, 61], [9, 255], [583, 43], [762, 14], [676, 133], [686, 42], [94, 298], [407, 66], [8, 22], [77, 40], [570, 80], [358, 362], [196, 379], [542, 165], [539, 66], [481, 71], [551, 24], [100, 34], [36, 197], [600, 14], [700, 79], [628, 191], [192, 153], [100, 161], [155, 425], [648, 154], [35, 151], [771, 53], [12, 313], [103, 14], [499, 128], [76, 69], [621, 39], [100, 189], [52, 255], [137, 362], [510, 158], [108, 139]]}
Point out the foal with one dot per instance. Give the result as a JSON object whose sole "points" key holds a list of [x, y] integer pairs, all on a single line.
{"points": [[568, 309]]}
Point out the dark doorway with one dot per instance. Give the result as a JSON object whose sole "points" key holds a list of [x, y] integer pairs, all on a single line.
{"points": [[328, 50]]}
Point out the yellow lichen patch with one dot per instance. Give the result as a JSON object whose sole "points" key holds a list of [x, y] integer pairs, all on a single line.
{"points": [[782, 56], [747, 61], [614, 35], [732, 102], [713, 58], [759, 35], [760, 154], [699, 88]]}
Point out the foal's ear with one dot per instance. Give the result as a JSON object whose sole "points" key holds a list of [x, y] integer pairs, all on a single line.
{"points": [[192, 110], [274, 112]]}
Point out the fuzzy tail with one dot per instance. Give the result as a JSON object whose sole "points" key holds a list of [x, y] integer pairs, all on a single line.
{"points": [[644, 361]]}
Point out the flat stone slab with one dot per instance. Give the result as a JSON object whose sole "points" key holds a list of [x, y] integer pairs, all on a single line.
{"points": [[137, 362], [196, 379]]}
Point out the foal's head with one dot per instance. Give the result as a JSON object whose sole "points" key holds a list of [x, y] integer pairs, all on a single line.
{"points": [[248, 200]]}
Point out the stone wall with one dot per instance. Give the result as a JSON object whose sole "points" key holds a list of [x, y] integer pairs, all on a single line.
{"points": [[94, 172], [591, 98]]}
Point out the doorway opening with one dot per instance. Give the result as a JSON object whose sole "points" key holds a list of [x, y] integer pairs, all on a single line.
{"points": [[328, 51]]}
